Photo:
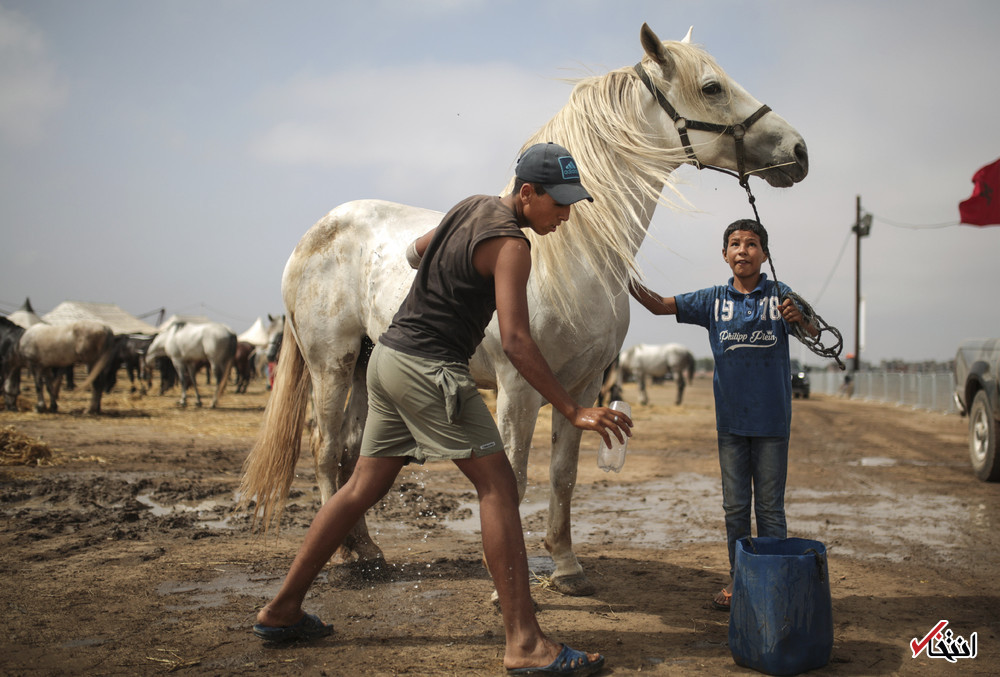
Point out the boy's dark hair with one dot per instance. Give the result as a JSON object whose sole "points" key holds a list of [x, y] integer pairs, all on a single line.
{"points": [[746, 224], [518, 182]]}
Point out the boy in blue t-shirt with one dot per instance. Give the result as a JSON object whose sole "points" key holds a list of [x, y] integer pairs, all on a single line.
{"points": [[747, 325]]}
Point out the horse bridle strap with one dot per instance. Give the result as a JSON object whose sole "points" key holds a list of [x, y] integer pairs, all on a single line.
{"points": [[682, 124]]}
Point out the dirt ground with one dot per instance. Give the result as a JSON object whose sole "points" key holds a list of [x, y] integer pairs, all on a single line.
{"points": [[122, 556]]}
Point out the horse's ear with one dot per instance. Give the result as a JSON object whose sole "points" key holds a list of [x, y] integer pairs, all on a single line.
{"points": [[653, 46], [687, 38]]}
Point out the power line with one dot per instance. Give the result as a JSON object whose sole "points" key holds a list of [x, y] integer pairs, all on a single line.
{"points": [[916, 226], [829, 277]]}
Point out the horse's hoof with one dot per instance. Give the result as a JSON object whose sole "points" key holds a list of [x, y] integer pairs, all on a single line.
{"points": [[574, 585]]}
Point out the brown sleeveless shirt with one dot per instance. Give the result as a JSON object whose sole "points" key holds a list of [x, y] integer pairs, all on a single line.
{"points": [[449, 305]]}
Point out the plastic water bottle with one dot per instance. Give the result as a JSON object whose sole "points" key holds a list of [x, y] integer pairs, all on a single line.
{"points": [[613, 457]]}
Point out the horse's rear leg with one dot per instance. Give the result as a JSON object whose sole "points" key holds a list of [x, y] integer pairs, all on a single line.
{"points": [[39, 373], [95, 399], [336, 442], [681, 383], [359, 544], [517, 412], [643, 396]]}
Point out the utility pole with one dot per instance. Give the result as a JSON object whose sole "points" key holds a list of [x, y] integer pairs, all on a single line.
{"points": [[862, 228]]}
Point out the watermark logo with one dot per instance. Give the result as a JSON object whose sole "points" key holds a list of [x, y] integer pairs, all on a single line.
{"points": [[941, 643]]}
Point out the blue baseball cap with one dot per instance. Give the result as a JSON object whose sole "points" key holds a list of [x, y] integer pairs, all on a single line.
{"points": [[551, 166]]}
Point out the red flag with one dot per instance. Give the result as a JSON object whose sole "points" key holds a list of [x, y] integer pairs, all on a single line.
{"points": [[983, 208]]}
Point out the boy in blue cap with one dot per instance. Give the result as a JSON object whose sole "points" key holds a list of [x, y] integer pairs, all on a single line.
{"points": [[748, 326], [423, 403]]}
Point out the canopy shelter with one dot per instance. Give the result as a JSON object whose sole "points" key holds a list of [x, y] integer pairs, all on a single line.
{"points": [[256, 334], [120, 321]]}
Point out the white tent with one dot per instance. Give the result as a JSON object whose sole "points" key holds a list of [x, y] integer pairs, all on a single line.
{"points": [[256, 334], [120, 321], [189, 319]]}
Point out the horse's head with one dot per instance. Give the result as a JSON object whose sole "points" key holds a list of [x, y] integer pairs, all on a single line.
{"points": [[694, 98], [274, 336], [157, 347]]}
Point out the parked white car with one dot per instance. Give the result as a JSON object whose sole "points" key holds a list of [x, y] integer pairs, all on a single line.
{"points": [[977, 366]]}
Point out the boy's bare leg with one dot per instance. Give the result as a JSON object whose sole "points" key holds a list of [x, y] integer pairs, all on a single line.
{"points": [[372, 479], [503, 546]]}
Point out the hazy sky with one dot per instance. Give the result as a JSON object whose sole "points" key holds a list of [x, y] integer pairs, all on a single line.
{"points": [[171, 153]]}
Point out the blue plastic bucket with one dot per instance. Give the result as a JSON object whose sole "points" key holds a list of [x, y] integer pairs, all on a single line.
{"points": [[781, 617]]}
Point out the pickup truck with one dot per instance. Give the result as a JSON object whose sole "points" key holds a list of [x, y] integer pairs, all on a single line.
{"points": [[977, 394]]}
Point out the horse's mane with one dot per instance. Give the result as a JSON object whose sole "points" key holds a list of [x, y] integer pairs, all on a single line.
{"points": [[604, 126]]}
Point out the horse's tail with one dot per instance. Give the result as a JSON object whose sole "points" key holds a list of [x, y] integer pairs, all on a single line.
{"points": [[230, 361], [270, 467], [109, 354]]}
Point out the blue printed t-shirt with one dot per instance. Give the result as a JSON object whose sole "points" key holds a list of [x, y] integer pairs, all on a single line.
{"points": [[753, 382]]}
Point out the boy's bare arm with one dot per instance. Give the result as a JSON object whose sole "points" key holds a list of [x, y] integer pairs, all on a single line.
{"points": [[651, 301]]}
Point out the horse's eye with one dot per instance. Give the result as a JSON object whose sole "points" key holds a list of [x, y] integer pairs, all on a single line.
{"points": [[712, 89]]}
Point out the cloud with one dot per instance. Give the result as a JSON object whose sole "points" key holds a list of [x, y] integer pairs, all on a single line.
{"points": [[32, 89], [416, 126]]}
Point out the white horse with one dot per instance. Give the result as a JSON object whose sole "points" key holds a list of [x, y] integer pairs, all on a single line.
{"points": [[189, 344], [656, 361], [46, 349], [347, 276]]}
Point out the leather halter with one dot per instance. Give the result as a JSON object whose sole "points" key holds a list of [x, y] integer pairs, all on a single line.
{"points": [[737, 131]]}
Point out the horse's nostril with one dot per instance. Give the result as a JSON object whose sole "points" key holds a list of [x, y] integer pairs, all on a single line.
{"points": [[802, 155]]}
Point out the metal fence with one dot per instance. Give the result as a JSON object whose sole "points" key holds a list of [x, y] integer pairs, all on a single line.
{"points": [[932, 391]]}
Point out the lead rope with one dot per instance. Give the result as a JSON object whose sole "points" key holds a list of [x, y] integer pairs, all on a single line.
{"points": [[813, 343]]}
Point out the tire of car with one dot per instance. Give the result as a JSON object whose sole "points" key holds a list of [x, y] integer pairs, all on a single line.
{"points": [[983, 439]]}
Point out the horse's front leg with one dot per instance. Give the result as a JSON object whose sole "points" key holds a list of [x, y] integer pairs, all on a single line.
{"points": [[192, 372], [568, 577], [12, 387]]}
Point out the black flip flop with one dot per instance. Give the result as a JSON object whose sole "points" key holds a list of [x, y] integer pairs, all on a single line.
{"points": [[310, 627]]}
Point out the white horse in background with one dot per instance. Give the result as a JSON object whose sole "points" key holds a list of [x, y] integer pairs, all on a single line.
{"points": [[656, 361], [346, 278], [46, 349], [189, 344]]}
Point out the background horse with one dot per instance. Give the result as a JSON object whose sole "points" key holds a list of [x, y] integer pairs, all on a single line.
{"points": [[347, 276], [243, 366], [656, 361], [132, 356], [10, 362], [266, 357], [47, 349], [187, 345]]}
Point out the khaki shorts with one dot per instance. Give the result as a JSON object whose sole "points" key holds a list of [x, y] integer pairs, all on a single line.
{"points": [[425, 409]]}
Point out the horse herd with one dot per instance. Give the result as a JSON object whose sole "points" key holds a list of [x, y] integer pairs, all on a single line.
{"points": [[49, 353]]}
